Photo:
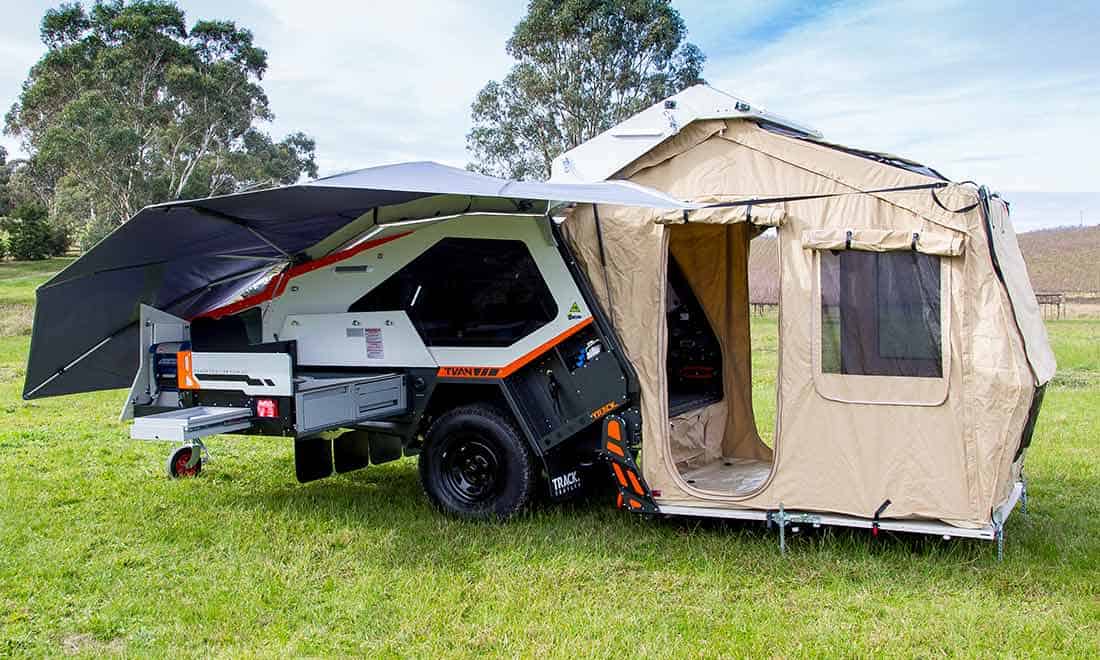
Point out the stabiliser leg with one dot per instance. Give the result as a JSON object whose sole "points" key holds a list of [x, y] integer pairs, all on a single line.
{"points": [[634, 494]]}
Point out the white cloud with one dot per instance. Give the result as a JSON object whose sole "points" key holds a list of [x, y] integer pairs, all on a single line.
{"points": [[1007, 95], [383, 82], [1003, 93]]}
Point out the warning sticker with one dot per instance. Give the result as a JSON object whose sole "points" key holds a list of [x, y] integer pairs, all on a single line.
{"points": [[575, 312], [375, 347]]}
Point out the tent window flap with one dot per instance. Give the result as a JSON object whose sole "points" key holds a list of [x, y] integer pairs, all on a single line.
{"points": [[880, 314], [940, 243]]}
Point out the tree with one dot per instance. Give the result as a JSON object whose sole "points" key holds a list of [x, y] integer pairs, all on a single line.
{"points": [[29, 236], [5, 184], [582, 67], [128, 107]]}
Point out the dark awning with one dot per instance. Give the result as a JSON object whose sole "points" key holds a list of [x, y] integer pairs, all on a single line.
{"points": [[183, 257]]}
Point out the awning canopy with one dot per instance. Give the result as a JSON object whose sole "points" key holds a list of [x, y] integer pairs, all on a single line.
{"points": [[184, 257]]}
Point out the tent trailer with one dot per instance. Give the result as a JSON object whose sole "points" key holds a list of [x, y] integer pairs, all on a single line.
{"points": [[912, 356], [518, 336]]}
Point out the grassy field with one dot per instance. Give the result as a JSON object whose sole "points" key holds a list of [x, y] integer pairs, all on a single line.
{"points": [[99, 553]]}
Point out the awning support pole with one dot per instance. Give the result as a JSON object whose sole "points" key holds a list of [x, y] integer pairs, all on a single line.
{"points": [[70, 365], [241, 223], [603, 257]]}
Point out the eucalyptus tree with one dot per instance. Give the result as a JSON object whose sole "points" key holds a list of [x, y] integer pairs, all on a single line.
{"points": [[581, 67], [128, 106]]}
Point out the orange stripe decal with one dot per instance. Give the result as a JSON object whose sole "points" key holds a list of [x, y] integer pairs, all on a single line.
{"points": [[634, 483], [619, 474], [615, 430], [185, 373], [615, 449], [515, 365]]}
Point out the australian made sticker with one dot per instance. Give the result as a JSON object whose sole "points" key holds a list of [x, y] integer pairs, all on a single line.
{"points": [[574, 312]]}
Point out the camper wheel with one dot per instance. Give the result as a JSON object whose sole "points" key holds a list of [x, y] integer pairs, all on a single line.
{"points": [[185, 461], [476, 465]]}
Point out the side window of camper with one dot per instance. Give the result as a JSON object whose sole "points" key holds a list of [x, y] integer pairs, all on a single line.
{"points": [[880, 314], [468, 292]]}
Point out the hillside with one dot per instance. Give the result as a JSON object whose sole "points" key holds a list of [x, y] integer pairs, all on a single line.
{"points": [[1062, 260]]}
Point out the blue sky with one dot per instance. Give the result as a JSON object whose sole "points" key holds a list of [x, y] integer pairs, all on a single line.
{"points": [[1004, 93]]}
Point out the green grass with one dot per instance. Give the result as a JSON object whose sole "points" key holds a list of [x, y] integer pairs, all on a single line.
{"points": [[99, 553], [17, 282]]}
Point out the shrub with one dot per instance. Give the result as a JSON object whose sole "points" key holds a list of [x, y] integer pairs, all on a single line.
{"points": [[29, 236], [60, 239], [93, 232]]}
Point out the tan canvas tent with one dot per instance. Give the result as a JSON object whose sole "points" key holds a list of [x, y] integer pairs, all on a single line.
{"points": [[912, 354]]}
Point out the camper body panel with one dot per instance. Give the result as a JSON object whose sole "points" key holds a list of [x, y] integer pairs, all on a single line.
{"points": [[555, 380]]}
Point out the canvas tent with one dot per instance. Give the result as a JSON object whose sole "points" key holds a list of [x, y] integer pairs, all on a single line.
{"points": [[912, 354]]}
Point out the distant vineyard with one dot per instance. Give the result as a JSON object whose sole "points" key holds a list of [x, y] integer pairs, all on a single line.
{"points": [[1064, 260]]}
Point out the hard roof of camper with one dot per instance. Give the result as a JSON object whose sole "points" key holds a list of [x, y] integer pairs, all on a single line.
{"points": [[615, 148]]}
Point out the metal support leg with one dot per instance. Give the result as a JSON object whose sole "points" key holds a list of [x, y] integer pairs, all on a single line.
{"points": [[781, 518], [198, 453], [1023, 494], [999, 533]]}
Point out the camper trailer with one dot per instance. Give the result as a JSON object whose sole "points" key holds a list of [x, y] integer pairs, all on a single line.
{"points": [[523, 336]]}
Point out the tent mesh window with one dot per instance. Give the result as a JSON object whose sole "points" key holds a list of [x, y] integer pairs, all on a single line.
{"points": [[467, 292], [880, 314]]}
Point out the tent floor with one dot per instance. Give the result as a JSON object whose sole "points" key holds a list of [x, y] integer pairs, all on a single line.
{"points": [[732, 476]]}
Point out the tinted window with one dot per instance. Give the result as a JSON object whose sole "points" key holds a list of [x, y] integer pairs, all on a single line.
{"points": [[880, 314], [467, 292]]}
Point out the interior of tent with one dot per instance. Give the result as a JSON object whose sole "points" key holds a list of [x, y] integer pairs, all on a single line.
{"points": [[716, 445]]}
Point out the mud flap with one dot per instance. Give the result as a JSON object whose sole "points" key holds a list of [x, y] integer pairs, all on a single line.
{"points": [[565, 474], [384, 448], [312, 458], [351, 451], [634, 494]]}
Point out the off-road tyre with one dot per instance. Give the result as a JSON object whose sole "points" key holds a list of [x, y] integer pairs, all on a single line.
{"points": [[476, 465]]}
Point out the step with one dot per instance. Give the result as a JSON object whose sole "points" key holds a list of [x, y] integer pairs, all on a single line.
{"points": [[191, 423]]}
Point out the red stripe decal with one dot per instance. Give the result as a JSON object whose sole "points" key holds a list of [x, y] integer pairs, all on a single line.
{"points": [[277, 285]]}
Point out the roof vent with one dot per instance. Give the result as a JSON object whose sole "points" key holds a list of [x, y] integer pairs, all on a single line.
{"points": [[670, 104]]}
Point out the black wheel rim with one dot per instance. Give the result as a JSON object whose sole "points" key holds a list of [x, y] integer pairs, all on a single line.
{"points": [[471, 468]]}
